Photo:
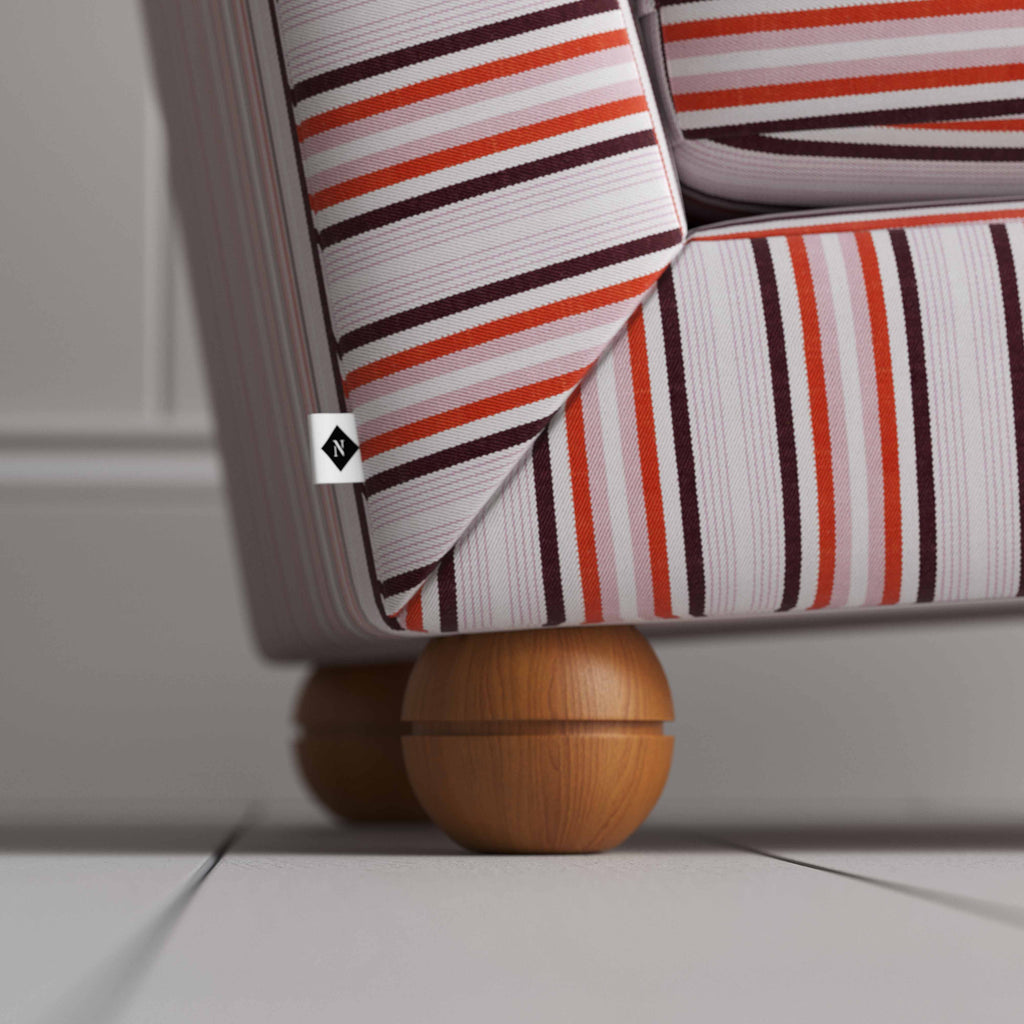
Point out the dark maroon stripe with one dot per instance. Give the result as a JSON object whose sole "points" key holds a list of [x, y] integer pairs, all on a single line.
{"points": [[683, 442], [1015, 344], [547, 532], [463, 190], [447, 594], [496, 290], [406, 580], [364, 526], [869, 119], [922, 415], [449, 457], [875, 151], [783, 422], [432, 48]]}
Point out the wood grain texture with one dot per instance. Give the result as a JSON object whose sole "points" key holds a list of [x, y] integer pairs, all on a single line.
{"points": [[545, 741], [350, 750]]}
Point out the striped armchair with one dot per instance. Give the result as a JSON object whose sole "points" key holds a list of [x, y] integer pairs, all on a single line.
{"points": [[637, 314]]}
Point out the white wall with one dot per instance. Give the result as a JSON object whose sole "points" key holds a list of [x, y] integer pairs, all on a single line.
{"points": [[127, 676], [128, 682]]}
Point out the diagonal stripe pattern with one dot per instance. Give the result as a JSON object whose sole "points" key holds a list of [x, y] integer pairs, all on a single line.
{"points": [[801, 103], [490, 203]]}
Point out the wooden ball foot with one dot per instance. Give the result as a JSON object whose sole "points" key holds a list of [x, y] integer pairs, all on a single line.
{"points": [[350, 750], [546, 741]]}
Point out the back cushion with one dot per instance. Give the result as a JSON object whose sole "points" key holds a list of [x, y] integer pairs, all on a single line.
{"points": [[791, 103]]}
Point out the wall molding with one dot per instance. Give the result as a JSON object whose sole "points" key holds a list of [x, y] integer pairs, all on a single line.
{"points": [[116, 455]]}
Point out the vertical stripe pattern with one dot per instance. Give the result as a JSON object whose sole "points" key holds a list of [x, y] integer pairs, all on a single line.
{"points": [[813, 388]]}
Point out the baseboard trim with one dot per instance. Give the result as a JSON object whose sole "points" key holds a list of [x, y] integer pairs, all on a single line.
{"points": [[111, 455]]}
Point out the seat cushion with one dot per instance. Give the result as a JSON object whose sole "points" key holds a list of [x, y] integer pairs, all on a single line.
{"points": [[810, 412], [797, 103]]}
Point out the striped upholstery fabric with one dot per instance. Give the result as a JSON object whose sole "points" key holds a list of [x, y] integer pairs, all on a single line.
{"points": [[790, 103], [805, 414], [813, 411], [490, 202]]}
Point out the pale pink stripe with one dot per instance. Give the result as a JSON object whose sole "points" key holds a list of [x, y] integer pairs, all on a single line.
{"points": [[831, 70], [488, 387], [473, 131], [521, 342], [875, 554], [465, 98], [838, 34], [600, 504], [632, 491], [329, 38], [837, 418]]}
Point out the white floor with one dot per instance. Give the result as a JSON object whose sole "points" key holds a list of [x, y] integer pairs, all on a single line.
{"points": [[310, 924]]}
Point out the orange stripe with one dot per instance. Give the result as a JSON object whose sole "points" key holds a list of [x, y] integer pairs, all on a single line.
{"points": [[905, 10], [451, 418], [419, 91], [455, 155], [414, 613], [657, 540], [819, 421], [473, 336], [585, 542], [858, 85], [886, 418], [926, 220]]}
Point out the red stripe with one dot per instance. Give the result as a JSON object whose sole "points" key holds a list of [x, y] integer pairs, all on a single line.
{"points": [[819, 422], [857, 85], [575, 305], [657, 540], [905, 10], [584, 513], [419, 91], [886, 418], [925, 220], [489, 406], [414, 613], [475, 150]]}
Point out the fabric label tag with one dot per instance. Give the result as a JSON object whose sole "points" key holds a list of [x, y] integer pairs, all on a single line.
{"points": [[334, 445]]}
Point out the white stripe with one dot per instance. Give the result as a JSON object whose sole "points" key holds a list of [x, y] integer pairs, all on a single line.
{"points": [[615, 478], [488, 312], [887, 135], [477, 56], [702, 10], [757, 113], [483, 427], [384, 139], [851, 384], [565, 518], [758, 57], [503, 160], [523, 360]]}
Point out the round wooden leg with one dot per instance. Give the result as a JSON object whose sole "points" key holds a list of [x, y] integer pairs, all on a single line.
{"points": [[547, 741], [350, 750]]}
